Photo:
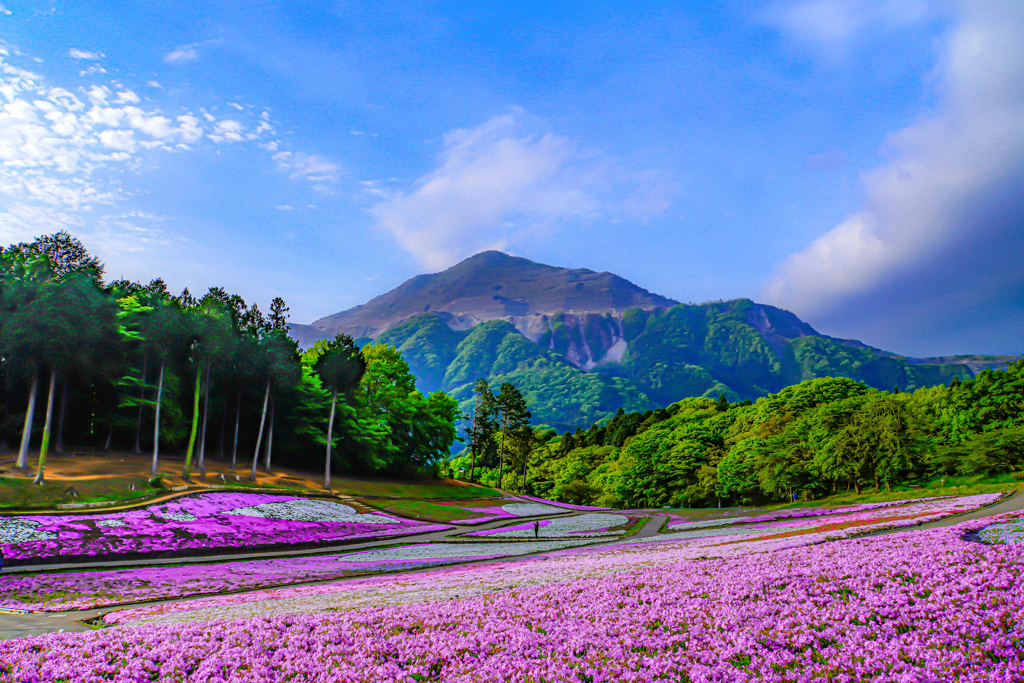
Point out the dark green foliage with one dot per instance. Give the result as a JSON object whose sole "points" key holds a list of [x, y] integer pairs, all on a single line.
{"points": [[816, 437], [219, 367]]}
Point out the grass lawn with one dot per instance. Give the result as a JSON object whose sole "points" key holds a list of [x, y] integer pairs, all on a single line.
{"points": [[439, 489], [20, 492], [446, 511]]}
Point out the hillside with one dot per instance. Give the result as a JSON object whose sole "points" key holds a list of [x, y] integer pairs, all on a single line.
{"points": [[581, 344]]}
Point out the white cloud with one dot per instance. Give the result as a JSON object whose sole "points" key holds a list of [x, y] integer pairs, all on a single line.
{"points": [[60, 151], [955, 182], [499, 184], [5, 11], [284, 207], [313, 167], [92, 71], [184, 54], [830, 25], [75, 53]]}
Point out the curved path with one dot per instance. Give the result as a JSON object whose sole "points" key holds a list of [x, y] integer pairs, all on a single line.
{"points": [[36, 623]]}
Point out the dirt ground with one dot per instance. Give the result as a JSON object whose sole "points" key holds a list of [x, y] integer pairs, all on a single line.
{"points": [[85, 476]]}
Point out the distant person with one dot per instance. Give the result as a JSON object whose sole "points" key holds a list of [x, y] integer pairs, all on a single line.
{"points": [[536, 530], [1, 559]]}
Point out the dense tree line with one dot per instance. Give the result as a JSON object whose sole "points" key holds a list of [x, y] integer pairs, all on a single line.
{"points": [[818, 437], [129, 366]]}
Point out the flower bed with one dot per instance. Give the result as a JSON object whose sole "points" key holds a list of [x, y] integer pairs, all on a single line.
{"points": [[208, 522], [677, 522], [570, 506], [503, 510], [923, 605], [1008, 532], [589, 525], [85, 590]]}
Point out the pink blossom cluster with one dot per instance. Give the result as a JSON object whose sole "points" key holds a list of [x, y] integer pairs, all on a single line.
{"points": [[563, 505], [209, 520], [562, 565], [730, 516], [924, 605]]}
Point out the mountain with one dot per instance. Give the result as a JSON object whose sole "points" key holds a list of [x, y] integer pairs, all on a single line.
{"points": [[581, 344], [488, 286]]}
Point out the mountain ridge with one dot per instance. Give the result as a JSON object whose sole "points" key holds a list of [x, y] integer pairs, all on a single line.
{"points": [[581, 344]]}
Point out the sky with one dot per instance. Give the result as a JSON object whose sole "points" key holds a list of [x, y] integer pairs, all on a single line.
{"points": [[860, 163]]}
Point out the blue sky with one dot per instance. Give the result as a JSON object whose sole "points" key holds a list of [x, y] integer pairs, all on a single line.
{"points": [[860, 163]]}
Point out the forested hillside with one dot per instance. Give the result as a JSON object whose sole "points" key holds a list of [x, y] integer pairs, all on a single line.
{"points": [[582, 344], [131, 367], [738, 349], [817, 437]]}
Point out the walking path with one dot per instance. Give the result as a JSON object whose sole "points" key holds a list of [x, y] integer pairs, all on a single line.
{"points": [[35, 623]]}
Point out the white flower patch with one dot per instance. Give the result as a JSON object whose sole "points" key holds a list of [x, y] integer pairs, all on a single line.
{"points": [[178, 516], [443, 551], [741, 531], [22, 531], [531, 509], [687, 526], [112, 523], [583, 526], [306, 510]]}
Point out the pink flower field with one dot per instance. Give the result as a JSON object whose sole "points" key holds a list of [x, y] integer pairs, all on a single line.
{"points": [[227, 521], [915, 606]]}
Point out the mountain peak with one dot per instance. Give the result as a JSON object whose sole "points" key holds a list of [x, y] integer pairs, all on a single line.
{"points": [[490, 285]]}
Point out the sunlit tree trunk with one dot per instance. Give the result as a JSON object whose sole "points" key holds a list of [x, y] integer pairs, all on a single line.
{"points": [[26, 432], [156, 419], [223, 428], [46, 425], [60, 415], [238, 417], [206, 414], [142, 396], [526, 459], [330, 434], [259, 439], [270, 437], [195, 424]]}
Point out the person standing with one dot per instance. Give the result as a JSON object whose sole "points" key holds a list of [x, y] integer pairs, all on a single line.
{"points": [[536, 529]]}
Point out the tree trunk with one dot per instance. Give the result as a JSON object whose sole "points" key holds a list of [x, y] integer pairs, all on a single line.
{"points": [[195, 424], [142, 397], [270, 437], [238, 416], [26, 432], [156, 419], [110, 435], [223, 427], [472, 462], [206, 414], [60, 417], [259, 439], [501, 458], [526, 459], [46, 425], [330, 433]]}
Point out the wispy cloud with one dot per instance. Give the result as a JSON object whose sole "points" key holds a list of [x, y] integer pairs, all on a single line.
{"points": [[183, 54], [829, 26], [500, 183], [61, 150], [75, 53], [924, 243], [312, 167]]}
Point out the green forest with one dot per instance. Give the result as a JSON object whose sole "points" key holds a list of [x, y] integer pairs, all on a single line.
{"points": [[818, 437], [737, 348], [127, 366]]}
